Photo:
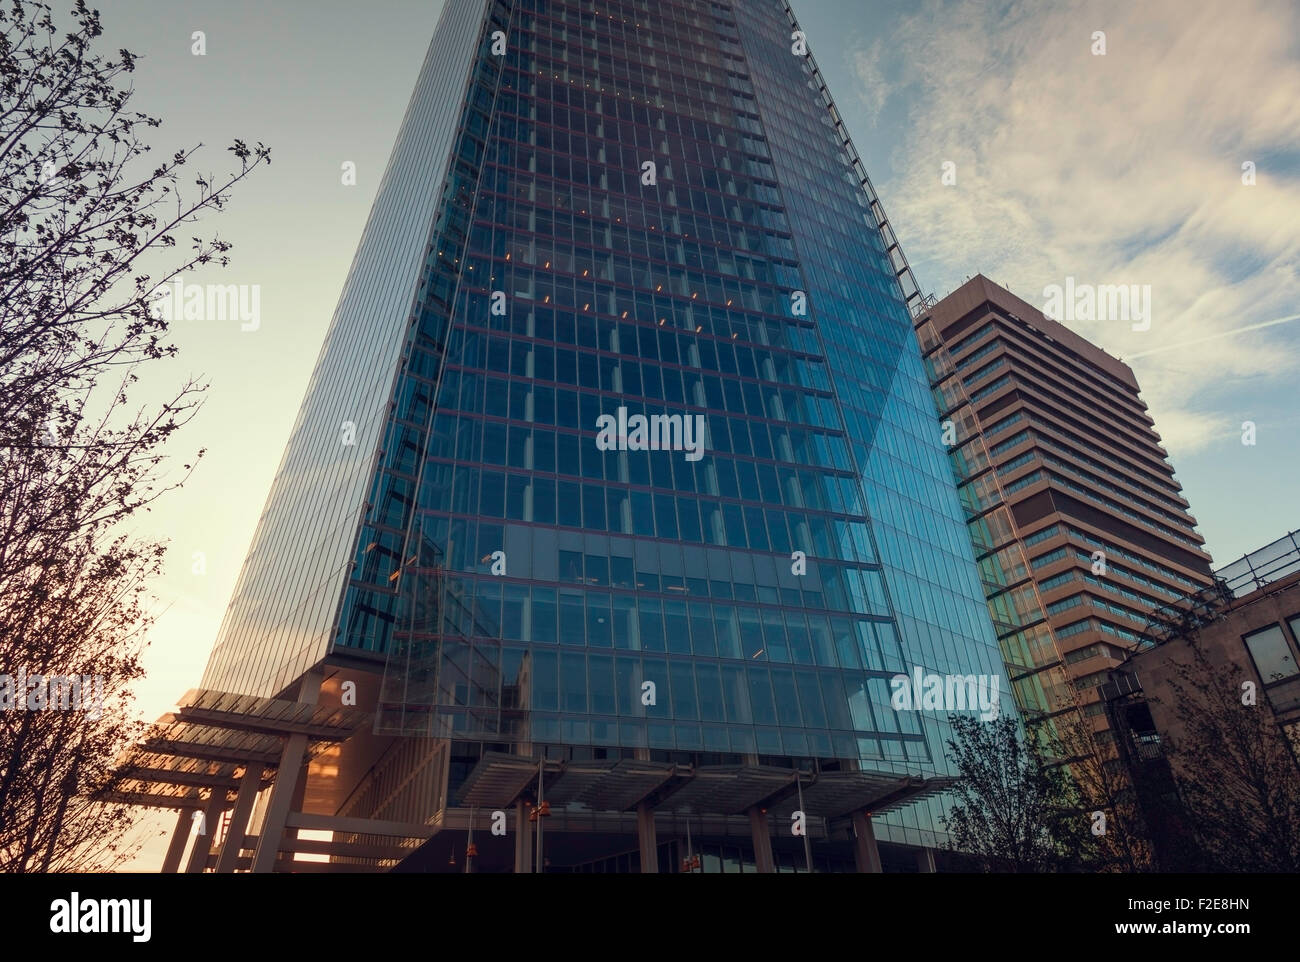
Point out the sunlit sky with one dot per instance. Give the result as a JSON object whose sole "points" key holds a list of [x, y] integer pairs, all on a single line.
{"points": [[1117, 169]]}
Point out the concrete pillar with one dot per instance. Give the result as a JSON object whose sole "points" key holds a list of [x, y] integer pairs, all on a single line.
{"points": [[234, 843], [176, 848], [925, 860], [211, 821], [523, 840], [865, 852], [286, 785], [762, 840], [645, 830], [277, 812]]}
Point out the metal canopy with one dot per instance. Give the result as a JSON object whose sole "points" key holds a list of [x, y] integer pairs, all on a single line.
{"points": [[190, 741], [499, 779], [270, 716], [728, 789], [577, 779], [627, 783], [834, 794]]}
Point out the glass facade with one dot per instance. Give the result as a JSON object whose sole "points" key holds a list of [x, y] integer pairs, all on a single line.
{"points": [[646, 206], [283, 614]]}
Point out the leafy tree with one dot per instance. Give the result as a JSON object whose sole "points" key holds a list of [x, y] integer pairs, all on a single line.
{"points": [[1235, 769], [1011, 809], [80, 208], [1104, 791]]}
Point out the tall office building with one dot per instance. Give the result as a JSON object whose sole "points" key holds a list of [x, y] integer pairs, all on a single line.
{"points": [[671, 637], [1079, 526]]}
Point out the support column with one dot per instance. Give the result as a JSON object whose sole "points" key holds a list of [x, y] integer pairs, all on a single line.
{"points": [[865, 851], [277, 813], [523, 840], [211, 821], [762, 840], [286, 784], [925, 860], [539, 858], [176, 848], [645, 831], [248, 788]]}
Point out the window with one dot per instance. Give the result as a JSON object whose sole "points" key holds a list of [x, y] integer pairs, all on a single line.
{"points": [[543, 615], [598, 621], [1272, 655], [573, 680], [572, 622]]}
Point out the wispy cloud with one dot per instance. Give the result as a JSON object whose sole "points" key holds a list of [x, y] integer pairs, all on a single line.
{"points": [[868, 68], [1115, 169]]}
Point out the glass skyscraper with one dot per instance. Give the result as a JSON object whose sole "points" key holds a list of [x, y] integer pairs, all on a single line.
{"points": [[597, 213]]}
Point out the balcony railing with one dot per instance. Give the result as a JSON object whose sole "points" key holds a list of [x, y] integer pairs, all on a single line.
{"points": [[1245, 576]]}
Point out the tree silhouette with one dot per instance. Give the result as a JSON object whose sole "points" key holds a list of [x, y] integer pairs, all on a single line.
{"points": [[1119, 841], [80, 207], [1235, 769], [1011, 809]]}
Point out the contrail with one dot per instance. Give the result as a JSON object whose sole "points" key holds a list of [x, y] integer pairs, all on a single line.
{"points": [[1212, 337]]}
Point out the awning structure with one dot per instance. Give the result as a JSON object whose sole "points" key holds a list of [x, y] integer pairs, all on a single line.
{"points": [[728, 789], [161, 779], [627, 782], [217, 751], [205, 746], [836, 794], [271, 716], [499, 780]]}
